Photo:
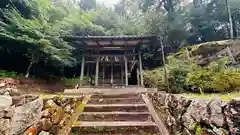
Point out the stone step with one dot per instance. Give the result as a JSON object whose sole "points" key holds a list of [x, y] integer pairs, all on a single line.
{"points": [[134, 100], [116, 108], [115, 116], [114, 105], [115, 131], [117, 113], [114, 95], [114, 124], [97, 91]]}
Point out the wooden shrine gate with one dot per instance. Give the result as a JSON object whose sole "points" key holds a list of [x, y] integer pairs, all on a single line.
{"points": [[110, 60]]}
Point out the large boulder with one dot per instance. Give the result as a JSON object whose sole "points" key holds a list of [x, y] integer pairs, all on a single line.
{"points": [[191, 116], [5, 101], [44, 133], [7, 113], [25, 116], [197, 112], [4, 124], [216, 112], [232, 113], [20, 100], [9, 91], [46, 124], [55, 110]]}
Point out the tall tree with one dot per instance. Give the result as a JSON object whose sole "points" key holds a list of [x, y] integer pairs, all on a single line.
{"points": [[88, 4], [42, 28]]}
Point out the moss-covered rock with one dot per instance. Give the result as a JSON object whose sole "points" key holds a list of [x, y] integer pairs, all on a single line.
{"points": [[198, 116]]}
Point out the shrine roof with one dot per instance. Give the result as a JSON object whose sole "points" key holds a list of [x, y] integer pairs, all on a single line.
{"points": [[111, 41]]}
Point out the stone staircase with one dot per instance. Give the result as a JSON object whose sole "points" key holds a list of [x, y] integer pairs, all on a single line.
{"points": [[118, 114]]}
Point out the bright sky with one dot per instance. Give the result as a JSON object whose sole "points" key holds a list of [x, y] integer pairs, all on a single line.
{"points": [[108, 2]]}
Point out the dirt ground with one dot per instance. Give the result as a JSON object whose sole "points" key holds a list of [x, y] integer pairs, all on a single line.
{"points": [[29, 85]]}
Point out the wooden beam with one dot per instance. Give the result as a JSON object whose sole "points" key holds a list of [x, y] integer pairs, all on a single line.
{"points": [[109, 62], [88, 70], [112, 74], [126, 71], [109, 38], [94, 44], [106, 49], [122, 74], [97, 72], [138, 77], [103, 74], [82, 70], [95, 55], [97, 68], [140, 68]]}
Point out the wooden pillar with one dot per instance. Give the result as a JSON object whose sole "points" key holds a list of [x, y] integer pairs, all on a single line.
{"points": [[138, 77], [140, 68], [126, 70], [97, 71], [88, 70], [103, 74], [91, 73], [112, 74], [122, 75], [82, 70]]}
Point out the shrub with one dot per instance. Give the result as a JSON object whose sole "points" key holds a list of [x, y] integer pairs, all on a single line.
{"points": [[4, 73], [154, 78], [177, 72], [215, 77], [182, 73], [200, 77], [227, 80]]}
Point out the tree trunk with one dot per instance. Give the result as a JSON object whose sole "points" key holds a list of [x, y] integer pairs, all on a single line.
{"points": [[29, 69], [33, 60], [235, 32], [230, 19], [165, 67]]}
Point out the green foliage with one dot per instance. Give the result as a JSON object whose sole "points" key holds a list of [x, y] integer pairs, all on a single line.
{"points": [[39, 27], [223, 96], [182, 72], [227, 80], [198, 129], [34, 29], [70, 82], [200, 77], [4, 73], [215, 76], [177, 71], [154, 78]]}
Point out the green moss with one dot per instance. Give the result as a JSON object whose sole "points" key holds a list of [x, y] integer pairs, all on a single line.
{"points": [[195, 47], [74, 117], [223, 96], [198, 129]]}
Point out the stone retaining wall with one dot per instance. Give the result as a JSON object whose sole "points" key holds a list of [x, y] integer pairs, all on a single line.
{"points": [[185, 116], [33, 114]]}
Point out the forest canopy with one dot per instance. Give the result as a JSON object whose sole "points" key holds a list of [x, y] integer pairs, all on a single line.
{"points": [[32, 31]]}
